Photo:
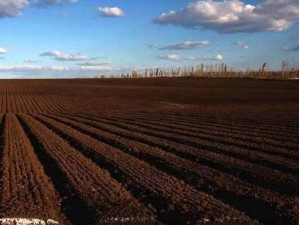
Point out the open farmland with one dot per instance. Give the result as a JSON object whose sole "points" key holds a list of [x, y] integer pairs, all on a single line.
{"points": [[150, 151]]}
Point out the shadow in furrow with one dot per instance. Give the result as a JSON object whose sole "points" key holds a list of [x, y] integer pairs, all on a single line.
{"points": [[166, 213], [238, 172], [2, 146], [72, 206], [252, 207]]}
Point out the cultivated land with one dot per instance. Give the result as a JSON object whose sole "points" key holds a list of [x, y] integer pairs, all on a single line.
{"points": [[150, 151]]}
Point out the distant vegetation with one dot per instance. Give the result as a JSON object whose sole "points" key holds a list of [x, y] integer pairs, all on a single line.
{"points": [[210, 70]]}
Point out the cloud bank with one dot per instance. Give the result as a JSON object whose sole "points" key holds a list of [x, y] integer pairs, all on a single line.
{"points": [[22, 68], [233, 16], [12, 8], [55, 71]]}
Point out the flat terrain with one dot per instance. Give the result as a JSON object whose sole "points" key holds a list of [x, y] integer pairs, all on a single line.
{"points": [[150, 151]]}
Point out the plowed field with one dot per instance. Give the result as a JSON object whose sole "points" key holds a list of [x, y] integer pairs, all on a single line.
{"points": [[150, 151]]}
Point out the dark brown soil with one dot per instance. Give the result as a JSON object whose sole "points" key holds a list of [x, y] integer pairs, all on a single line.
{"points": [[150, 151]]}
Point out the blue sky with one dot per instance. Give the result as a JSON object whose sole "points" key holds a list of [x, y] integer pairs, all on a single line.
{"points": [[65, 38]]}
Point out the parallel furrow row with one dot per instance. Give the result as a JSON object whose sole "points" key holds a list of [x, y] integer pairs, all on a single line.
{"points": [[252, 141], [251, 127], [182, 200], [27, 191], [229, 189], [87, 188], [256, 174], [219, 145]]}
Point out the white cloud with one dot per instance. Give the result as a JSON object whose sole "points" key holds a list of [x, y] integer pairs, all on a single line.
{"points": [[187, 45], [57, 68], [218, 57], [172, 57], [111, 11], [3, 50], [232, 16], [12, 8], [65, 57], [242, 44]]}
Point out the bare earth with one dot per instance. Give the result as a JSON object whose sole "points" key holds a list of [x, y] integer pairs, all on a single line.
{"points": [[150, 151]]}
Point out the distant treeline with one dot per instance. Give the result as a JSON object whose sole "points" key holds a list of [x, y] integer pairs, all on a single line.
{"points": [[219, 70]]}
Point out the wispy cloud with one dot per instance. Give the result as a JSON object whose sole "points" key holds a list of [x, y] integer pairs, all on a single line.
{"points": [[46, 3], [208, 58], [111, 11], [153, 45], [57, 55], [20, 67], [175, 57], [242, 44], [187, 45], [94, 64], [172, 57], [191, 58], [31, 61], [232, 16]]}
